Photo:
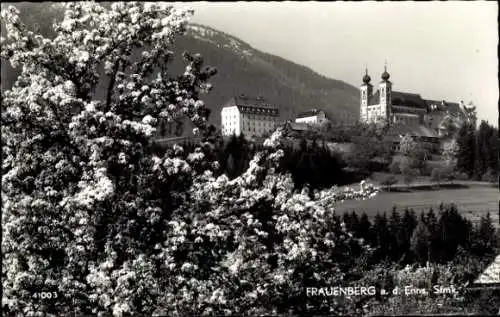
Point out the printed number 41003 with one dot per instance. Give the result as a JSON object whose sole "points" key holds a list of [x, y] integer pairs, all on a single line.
{"points": [[45, 295]]}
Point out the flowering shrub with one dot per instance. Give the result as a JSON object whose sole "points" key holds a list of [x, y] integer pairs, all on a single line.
{"points": [[407, 145], [91, 214], [450, 151]]}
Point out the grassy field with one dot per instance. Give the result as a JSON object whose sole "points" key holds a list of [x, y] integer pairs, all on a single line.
{"points": [[472, 202]]}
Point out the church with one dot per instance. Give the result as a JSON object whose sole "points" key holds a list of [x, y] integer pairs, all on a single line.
{"points": [[394, 106], [407, 113]]}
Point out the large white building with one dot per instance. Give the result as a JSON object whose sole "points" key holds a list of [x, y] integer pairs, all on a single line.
{"points": [[314, 117], [248, 116]]}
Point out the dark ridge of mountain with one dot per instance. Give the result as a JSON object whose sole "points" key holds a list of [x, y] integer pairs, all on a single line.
{"points": [[244, 70]]}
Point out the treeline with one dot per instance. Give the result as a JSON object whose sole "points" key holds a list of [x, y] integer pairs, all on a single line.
{"points": [[478, 151], [316, 165], [313, 165], [436, 237]]}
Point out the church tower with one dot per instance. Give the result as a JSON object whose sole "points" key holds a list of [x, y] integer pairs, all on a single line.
{"points": [[385, 90], [366, 92]]}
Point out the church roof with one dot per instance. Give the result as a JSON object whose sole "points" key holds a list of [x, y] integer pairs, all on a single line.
{"points": [[453, 107], [444, 106], [399, 98], [407, 99]]}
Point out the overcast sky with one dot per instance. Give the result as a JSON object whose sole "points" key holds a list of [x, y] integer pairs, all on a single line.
{"points": [[441, 50]]}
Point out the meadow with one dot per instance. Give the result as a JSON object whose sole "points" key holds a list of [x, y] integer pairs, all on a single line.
{"points": [[472, 202]]}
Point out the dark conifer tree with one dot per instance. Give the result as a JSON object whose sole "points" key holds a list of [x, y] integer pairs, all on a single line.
{"points": [[381, 235], [396, 232], [408, 223], [451, 232], [431, 221], [354, 222], [231, 171], [303, 144], [346, 218], [482, 148], [494, 148], [420, 241], [486, 235], [466, 154], [365, 229]]}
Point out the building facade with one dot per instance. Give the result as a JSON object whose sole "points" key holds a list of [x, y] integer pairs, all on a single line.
{"points": [[314, 117], [248, 116], [389, 105], [401, 107], [406, 113]]}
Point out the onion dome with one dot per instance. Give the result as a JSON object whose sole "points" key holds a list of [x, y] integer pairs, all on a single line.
{"points": [[385, 74], [366, 78]]}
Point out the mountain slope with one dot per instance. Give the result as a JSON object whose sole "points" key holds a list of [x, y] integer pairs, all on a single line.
{"points": [[241, 70], [244, 70]]}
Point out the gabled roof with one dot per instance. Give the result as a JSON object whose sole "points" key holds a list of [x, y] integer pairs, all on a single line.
{"points": [[399, 98], [310, 113], [491, 275]]}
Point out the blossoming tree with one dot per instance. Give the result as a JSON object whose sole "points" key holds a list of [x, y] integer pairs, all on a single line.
{"points": [[92, 216], [450, 151]]}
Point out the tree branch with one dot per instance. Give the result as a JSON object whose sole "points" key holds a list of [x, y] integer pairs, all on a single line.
{"points": [[66, 135], [112, 84]]}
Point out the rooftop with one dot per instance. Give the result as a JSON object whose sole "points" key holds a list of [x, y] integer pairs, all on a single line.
{"points": [[253, 105], [491, 275], [310, 113], [443, 106], [243, 100], [407, 99]]}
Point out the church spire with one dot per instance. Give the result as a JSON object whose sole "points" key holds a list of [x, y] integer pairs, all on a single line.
{"points": [[385, 74], [366, 78]]}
